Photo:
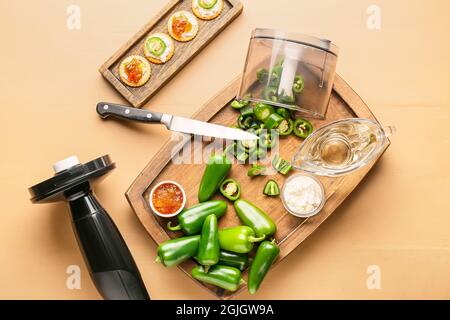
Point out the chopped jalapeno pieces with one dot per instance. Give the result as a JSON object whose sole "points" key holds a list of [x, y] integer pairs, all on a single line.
{"points": [[263, 111], [247, 111], [285, 113], [247, 145], [302, 128], [281, 165], [244, 122], [239, 104], [256, 170], [273, 121], [230, 189], [258, 154], [271, 188]]}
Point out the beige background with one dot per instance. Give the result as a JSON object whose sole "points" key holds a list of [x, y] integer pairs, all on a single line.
{"points": [[398, 218]]}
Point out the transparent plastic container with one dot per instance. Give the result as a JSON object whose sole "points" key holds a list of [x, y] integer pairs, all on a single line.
{"points": [[289, 70]]}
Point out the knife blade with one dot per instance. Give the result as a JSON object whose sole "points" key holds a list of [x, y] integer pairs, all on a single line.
{"points": [[173, 123]]}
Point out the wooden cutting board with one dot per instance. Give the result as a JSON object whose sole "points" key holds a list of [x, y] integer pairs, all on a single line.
{"points": [[291, 231], [184, 51]]}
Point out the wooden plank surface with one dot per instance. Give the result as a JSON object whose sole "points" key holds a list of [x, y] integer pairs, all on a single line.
{"points": [[184, 51], [291, 231]]}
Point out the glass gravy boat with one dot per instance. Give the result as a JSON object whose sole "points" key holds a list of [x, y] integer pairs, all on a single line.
{"points": [[341, 147]]}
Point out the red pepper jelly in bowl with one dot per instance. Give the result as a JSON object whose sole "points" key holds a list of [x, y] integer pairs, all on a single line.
{"points": [[167, 199]]}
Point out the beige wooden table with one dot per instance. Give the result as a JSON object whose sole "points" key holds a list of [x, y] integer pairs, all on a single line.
{"points": [[398, 219]]}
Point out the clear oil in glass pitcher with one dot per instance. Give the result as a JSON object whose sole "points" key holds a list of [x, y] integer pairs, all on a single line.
{"points": [[342, 147]]}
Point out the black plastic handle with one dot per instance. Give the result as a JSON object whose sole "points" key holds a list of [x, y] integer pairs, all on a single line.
{"points": [[105, 109], [110, 263]]}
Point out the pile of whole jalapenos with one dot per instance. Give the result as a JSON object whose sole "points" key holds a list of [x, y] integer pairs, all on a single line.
{"points": [[222, 254]]}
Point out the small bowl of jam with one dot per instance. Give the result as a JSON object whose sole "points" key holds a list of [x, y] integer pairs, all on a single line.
{"points": [[167, 199]]}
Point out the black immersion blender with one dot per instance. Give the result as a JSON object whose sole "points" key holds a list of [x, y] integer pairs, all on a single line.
{"points": [[108, 258]]}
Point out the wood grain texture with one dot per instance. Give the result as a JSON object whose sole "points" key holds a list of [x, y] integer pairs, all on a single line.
{"points": [[344, 103], [184, 51]]}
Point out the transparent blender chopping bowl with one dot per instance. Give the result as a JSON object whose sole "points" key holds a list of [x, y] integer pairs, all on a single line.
{"points": [[290, 71]]}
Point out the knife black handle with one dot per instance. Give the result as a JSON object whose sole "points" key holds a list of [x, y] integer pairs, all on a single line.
{"points": [[106, 109]]}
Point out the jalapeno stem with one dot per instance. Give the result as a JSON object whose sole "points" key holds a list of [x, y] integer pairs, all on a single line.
{"points": [[253, 239]]}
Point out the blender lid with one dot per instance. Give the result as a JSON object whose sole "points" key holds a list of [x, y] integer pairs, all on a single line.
{"points": [[322, 44], [69, 173]]}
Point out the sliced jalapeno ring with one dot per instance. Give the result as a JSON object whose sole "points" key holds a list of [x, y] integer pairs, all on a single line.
{"points": [[299, 84], [239, 104], [207, 4], [302, 128], [285, 113], [285, 127], [230, 189], [271, 188], [156, 46]]}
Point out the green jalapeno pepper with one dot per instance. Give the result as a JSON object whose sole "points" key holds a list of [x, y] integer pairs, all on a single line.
{"points": [[281, 165], [271, 188], [255, 218], [225, 277], [285, 127], [208, 248], [217, 169], [191, 219], [247, 145], [263, 111], [238, 239], [232, 259], [230, 189], [299, 84], [302, 128], [256, 170], [273, 121], [285, 113], [266, 254], [175, 251]]}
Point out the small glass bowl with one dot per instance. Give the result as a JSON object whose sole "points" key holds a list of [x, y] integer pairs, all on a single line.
{"points": [[303, 215], [172, 214]]}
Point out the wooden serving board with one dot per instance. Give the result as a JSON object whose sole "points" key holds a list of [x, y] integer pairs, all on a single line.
{"points": [[291, 231], [184, 51]]}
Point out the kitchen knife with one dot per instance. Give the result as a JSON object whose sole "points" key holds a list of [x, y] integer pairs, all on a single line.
{"points": [[173, 123]]}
